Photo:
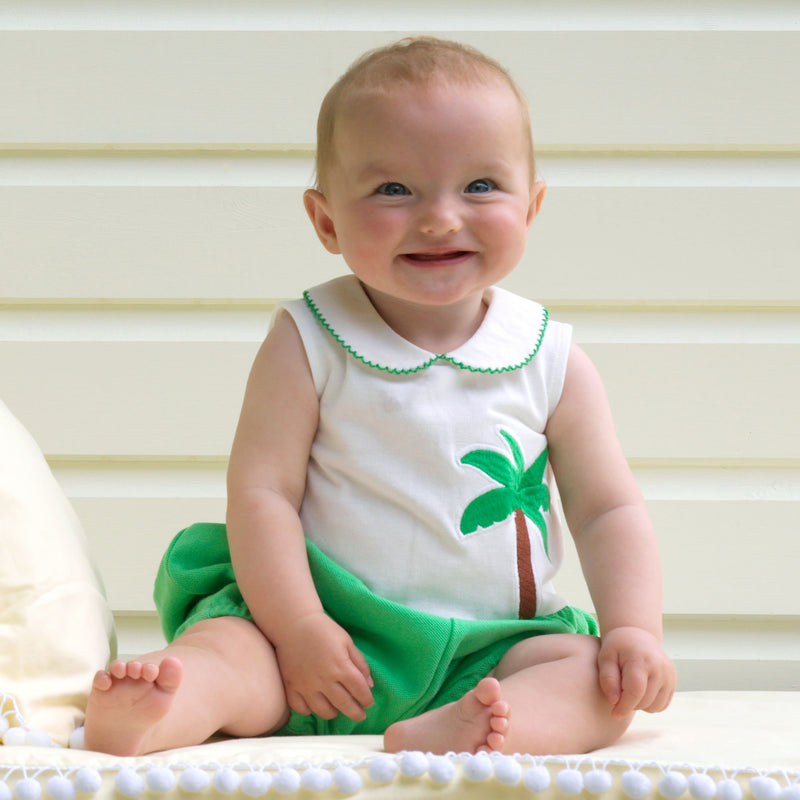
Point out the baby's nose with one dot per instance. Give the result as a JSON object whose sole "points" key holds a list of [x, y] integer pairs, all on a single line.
{"points": [[439, 216]]}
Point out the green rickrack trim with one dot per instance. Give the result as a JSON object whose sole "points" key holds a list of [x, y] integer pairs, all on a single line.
{"points": [[443, 357]]}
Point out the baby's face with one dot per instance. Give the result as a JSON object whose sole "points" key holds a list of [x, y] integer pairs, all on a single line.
{"points": [[430, 195]]}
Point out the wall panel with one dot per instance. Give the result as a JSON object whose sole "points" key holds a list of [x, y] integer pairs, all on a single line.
{"points": [[709, 401], [664, 244], [690, 89]]}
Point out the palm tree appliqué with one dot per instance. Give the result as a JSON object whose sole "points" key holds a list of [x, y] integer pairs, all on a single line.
{"points": [[523, 493]]}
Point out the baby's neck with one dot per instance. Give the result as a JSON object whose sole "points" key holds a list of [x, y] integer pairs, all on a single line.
{"points": [[437, 329]]}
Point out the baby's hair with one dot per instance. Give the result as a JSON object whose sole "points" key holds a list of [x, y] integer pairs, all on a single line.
{"points": [[413, 61]]}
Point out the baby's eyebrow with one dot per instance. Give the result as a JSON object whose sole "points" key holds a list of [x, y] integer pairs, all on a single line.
{"points": [[374, 171]]}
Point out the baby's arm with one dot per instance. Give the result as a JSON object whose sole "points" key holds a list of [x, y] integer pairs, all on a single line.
{"points": [[615, 540], [322, 670]]}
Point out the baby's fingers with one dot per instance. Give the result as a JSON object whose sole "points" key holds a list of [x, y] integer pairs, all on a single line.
{"points": [[662, 688], [344, 702], [297, 703], [661, 701], [635, 680], [610, 679], [360, 683], [361, 664]]}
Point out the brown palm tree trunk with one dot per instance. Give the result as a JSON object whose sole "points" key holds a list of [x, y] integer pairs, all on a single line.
{"points": [[527, 583]]}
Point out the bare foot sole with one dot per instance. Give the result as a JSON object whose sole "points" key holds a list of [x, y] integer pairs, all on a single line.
{"points": [[126, 702], [476, 722]]}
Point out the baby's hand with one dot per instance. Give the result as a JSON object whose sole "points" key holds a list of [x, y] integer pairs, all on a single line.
{"points": [[635, 672], [323, 672]]}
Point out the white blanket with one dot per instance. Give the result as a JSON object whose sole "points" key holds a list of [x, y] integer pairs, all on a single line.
{"points": [[726, 745]]}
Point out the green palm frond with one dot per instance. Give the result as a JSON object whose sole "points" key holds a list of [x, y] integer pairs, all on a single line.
{"points": [[487, 509], [516, 451], [532, 513], [495, 465], [534, 475], [535, 497]]}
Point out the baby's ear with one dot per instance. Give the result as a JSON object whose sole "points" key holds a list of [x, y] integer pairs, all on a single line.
{"points": [[318, 212], [538, 191]]}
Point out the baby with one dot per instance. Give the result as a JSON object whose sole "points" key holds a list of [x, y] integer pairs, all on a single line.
{"points": [[391, 531]]}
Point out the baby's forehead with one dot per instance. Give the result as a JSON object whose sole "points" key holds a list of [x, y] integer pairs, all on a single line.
{"points": [[392, 129], [439, 86]]}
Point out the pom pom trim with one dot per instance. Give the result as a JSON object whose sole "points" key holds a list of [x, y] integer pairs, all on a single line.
{"points": [[498, 773]]}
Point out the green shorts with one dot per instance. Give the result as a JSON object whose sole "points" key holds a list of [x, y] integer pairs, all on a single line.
{"points": [[418, 661]]}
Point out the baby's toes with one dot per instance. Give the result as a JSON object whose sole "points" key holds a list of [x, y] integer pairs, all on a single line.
{"points": [[118, 669], [102, 681], [495, 740], [499, 725], [134, 670]]}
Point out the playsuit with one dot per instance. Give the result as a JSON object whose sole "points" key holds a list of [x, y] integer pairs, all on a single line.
{"points": [[430, 510]]}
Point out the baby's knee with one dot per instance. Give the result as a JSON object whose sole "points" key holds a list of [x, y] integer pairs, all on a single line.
{"points": [[548, 648]]}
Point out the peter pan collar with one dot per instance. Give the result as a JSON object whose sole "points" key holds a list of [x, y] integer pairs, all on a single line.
{"points": [[508, 338]]}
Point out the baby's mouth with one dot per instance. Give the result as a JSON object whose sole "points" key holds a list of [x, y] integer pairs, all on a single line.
{"points": [[444, 257]]}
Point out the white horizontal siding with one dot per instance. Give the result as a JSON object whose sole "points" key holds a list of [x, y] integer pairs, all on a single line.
{"points": [[215, 87], [130, 531], [412, 15], [668, 244], [707, 401], [152, 158]]}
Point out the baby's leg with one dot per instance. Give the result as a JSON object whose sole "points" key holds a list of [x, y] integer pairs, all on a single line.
{"points": [[220, 675], [554, 705], [552, 683]]}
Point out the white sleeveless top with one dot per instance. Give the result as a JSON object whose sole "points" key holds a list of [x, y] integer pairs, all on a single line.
{"points": [[421, 461]]}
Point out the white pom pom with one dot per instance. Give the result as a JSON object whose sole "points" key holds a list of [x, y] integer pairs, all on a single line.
{"points": [[60, 788], [636, 784], [702, 786], [129, 783], [413, 764], [37, 738], [316, 780], [76, 739], [442, 770], [194, 779], [226, 780], [347, 780], [537, 779], [507, 770], [160, 779], [673, 785], [598, 781], [790, 792], [15, 737], [382, 769], [764, 788], [88, 780], [729, 789], [478, 767], [255, 784], [28, 789], [287, 781], [5, 792], [570, 782]]}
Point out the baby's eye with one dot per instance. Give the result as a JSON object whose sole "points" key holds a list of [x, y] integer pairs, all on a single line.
{"points": [[393, 189], [481, 186]]}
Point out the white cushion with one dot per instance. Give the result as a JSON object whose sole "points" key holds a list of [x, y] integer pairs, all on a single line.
{"points": [[56, 629]]}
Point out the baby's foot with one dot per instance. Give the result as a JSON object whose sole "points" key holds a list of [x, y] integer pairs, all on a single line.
{"points": [[476, 722], [126, 702]]}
